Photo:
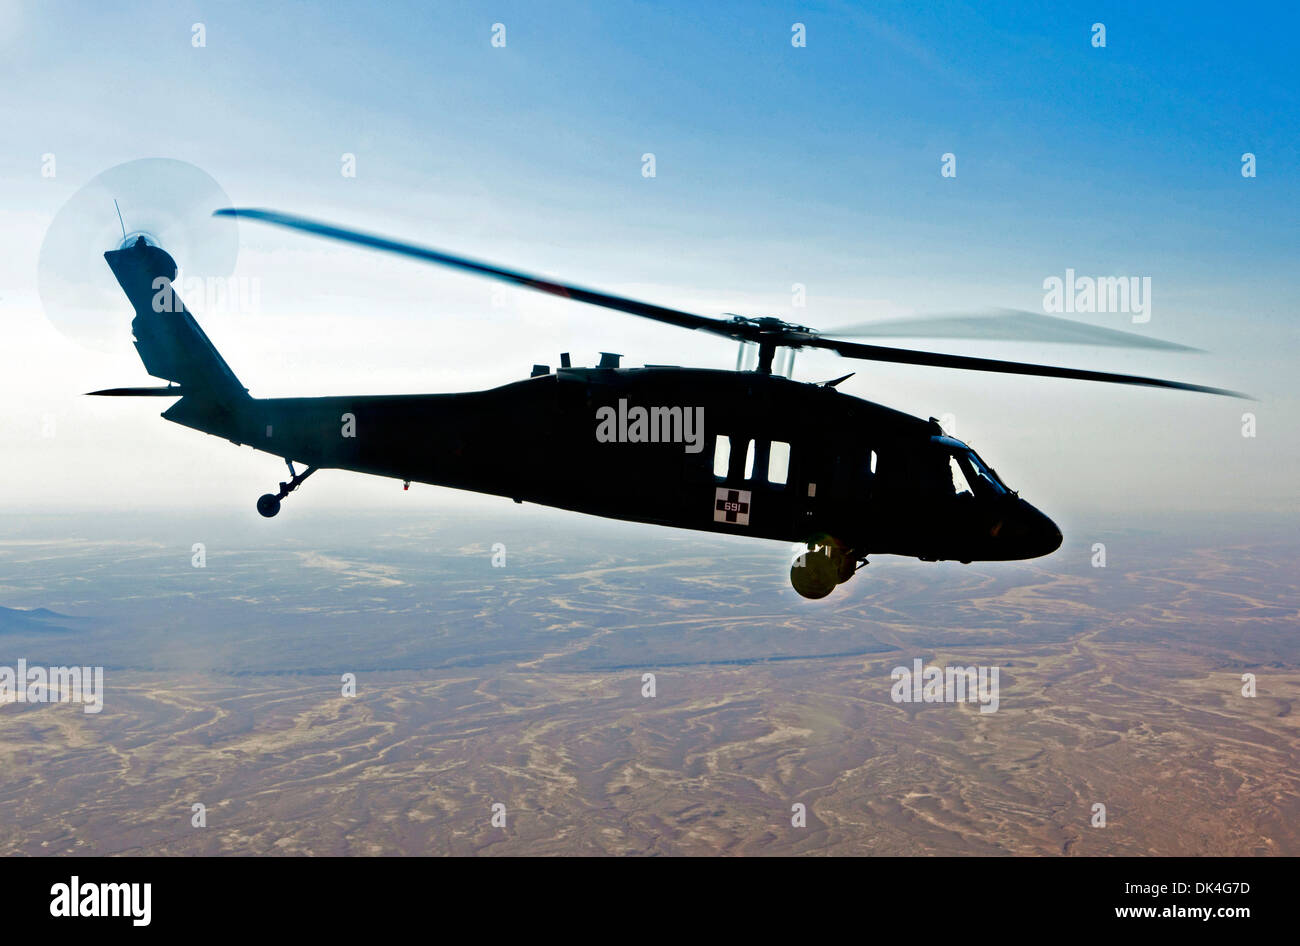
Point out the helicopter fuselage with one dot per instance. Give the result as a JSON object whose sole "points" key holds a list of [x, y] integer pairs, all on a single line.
{"points": [[740, 453]]}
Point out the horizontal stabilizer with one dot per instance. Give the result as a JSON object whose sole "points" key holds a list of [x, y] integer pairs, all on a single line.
{"points": [[171, 390]]}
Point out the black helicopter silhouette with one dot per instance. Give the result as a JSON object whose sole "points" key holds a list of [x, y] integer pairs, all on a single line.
{"points": [[746, 452]]}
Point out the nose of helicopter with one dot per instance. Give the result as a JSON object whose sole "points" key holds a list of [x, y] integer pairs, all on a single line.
{"points": [[1036, 534]]}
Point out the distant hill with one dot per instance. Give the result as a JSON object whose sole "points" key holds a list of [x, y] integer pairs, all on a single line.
{"points": [[40, 619]]}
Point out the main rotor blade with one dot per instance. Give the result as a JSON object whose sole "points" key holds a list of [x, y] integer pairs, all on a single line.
{"points": [[778, 333], [564, 290], [905, 356], [1003, 325]]}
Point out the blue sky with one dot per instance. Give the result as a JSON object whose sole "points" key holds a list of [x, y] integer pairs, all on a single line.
{"points": [[775, 165]]}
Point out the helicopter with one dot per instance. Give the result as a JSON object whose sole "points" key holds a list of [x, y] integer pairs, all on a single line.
{"points": [[748, 452]]}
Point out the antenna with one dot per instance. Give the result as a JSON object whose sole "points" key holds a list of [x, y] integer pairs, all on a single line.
{"points": [[119, 219]]}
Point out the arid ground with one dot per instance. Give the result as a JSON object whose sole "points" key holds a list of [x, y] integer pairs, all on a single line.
{"points": [[522, 686]]}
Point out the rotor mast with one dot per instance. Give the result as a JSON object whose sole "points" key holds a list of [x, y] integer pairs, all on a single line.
{"points": [[769, 333]]}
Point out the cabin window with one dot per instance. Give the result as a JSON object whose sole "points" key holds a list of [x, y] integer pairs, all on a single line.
{"points": [[721, 456], [778, 463], [749, 461]]}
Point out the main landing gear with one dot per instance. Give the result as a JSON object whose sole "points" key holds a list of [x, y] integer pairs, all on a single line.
{"points": [[815, 573], [269, 503]]}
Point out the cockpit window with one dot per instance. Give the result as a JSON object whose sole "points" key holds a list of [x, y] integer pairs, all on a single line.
{"points": [[983, 477]]}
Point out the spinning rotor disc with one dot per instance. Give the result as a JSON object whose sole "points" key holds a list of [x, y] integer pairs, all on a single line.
{"points": [[169, 203]]}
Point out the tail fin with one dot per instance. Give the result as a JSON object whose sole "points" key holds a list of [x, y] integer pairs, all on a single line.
{"points": [[170, 342]]}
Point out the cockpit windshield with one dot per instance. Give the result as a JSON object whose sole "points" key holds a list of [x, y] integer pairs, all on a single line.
{"points": [[969, 475], [981, 475]]}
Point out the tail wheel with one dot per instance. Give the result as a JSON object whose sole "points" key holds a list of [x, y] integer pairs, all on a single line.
{"points": [[268, 504]]}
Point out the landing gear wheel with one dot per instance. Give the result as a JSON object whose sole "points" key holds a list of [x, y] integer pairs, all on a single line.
{"points": [[268, 504], [814, 574]]}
